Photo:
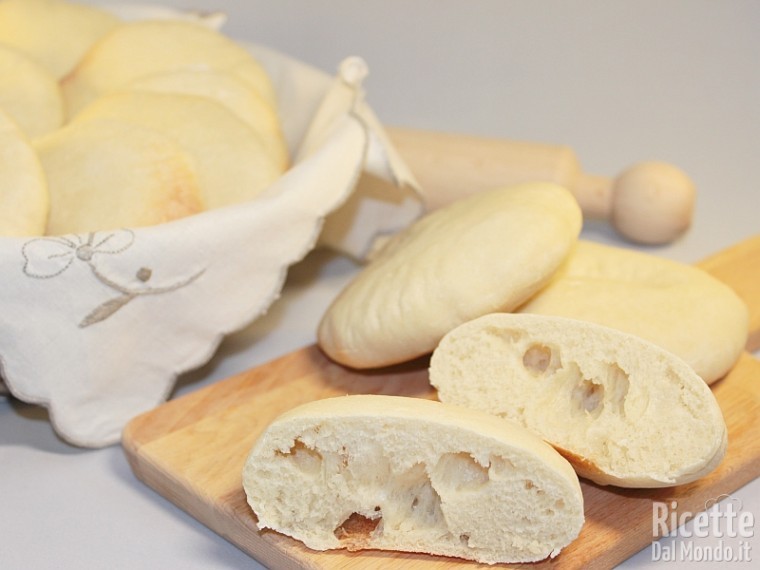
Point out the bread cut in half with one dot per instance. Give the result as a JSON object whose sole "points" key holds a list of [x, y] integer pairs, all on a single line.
{"points": [[679, 307], [488, 252], [623, 411], [413, 475]]}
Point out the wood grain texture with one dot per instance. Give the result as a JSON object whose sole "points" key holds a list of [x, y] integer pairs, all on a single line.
{"points": [[192, 450]]}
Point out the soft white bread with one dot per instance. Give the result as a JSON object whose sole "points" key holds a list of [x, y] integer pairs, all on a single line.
{"points": [[24, 198], [488, 252], [139, 49], [230, 159], [108, 174], [624, 411], [414, 475], [231, 92], [29, 93], [676, 306], [55, 33]]}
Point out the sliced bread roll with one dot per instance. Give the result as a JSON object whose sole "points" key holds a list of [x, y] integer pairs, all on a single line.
{"points": [[488, 252], [413, 475], [624, 411]]}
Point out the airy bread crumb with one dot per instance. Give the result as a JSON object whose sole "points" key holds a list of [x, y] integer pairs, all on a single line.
{"points": [[407, 474], [624, 411]]}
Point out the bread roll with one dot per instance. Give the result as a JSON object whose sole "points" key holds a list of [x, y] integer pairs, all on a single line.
{"points": [[488, 252], [228, 90], [55, 33], [676, 306], [139, 49], [622, 410], [29, 93], [230, 159], [407, 474], [24, 197], [108, 174]]}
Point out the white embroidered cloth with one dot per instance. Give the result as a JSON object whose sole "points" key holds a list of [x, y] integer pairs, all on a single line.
{"points": [[96, 327]]}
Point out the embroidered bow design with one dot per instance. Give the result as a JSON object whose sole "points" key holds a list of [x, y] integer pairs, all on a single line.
{"points": [[49, 257]]}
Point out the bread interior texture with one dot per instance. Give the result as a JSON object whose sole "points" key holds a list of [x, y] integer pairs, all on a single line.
{"points": [[411, 485], [623, 411]]}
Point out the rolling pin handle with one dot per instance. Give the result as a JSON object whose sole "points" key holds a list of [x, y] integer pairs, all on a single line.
{"points": [[649, 203], [593, 193]]}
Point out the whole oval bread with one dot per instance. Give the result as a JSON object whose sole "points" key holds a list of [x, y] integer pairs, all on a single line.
{"points": [[413, 475], [624, 411], [489, 252], [679, 307]]}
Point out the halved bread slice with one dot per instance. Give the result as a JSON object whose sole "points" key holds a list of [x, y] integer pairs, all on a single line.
{"points": [[24, 197], [106, 174], [407, 474], [29, 93], [230, 159], [137, 49], [55, 33], [623, 411]]}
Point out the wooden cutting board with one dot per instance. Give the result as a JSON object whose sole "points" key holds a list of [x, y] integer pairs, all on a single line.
{"points": [[191, 450]]}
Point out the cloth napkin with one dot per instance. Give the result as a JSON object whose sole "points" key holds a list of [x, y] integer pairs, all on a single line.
{"points": [[96, 327]]}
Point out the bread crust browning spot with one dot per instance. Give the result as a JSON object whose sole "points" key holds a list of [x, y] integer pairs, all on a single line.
{"points": [[356, 531]]}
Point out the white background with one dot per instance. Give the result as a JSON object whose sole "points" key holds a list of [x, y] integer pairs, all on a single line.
{"points": [[619, 81]]}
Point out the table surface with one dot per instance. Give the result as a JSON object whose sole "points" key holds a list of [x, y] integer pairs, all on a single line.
{"points": [[618, 81]]}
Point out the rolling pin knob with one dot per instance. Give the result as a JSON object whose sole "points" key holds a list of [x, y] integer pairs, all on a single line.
{"points": [[652, 202], [649, 203]]}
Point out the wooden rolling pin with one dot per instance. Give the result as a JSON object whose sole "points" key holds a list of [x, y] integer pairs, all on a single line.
{"points": [[650, 202]]}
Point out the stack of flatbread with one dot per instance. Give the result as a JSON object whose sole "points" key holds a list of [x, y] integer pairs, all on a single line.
{"points": [[107, 124]]}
